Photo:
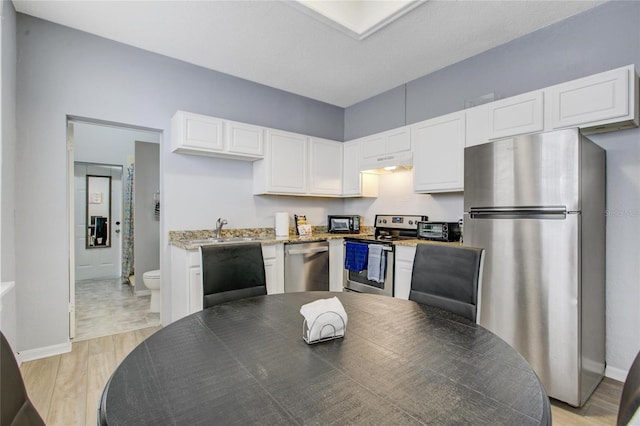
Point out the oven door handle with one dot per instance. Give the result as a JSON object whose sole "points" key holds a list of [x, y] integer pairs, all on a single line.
{"points": [[384, 248]]}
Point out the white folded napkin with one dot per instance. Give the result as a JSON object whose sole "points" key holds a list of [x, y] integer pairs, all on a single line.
{"points": [[325, 318]]}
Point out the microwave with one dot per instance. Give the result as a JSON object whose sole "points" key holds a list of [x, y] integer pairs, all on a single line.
{"points": [[343, 224], [439, 231]]}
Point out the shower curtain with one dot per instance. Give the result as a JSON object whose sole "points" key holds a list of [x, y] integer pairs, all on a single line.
{"points": [[127, 228]]}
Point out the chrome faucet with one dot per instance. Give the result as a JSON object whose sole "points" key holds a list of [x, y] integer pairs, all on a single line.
{"points": [[219, 224]]}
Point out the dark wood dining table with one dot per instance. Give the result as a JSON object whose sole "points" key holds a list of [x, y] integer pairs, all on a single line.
{"points": [[245, 362]]}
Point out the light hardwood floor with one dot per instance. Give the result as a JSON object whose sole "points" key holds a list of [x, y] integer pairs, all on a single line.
{"points": [[65, 388]]}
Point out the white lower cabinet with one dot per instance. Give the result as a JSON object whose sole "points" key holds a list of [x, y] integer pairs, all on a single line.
{"points": [[403, 270], [274, 267], [186, 277], [336, 264], [438, 153]]}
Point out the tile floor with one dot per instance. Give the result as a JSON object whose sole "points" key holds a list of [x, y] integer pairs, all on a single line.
{"points": [[106, 307]]}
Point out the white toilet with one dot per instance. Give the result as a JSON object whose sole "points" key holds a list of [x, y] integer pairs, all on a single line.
{"points": [[151, 280]]}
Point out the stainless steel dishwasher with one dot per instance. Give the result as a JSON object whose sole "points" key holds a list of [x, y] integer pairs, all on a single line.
{"points": [[306, 266]]}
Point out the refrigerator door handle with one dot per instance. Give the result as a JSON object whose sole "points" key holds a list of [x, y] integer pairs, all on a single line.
{"points": [[519, 213]]}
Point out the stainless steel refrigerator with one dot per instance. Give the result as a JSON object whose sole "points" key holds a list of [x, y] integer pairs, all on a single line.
{"points": [[536, 204]]}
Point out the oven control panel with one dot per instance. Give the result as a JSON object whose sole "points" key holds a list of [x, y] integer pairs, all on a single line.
{"points": [[399, 221]]}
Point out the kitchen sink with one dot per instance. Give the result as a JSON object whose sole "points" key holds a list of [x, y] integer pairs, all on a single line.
{"points": [[205, 241]]}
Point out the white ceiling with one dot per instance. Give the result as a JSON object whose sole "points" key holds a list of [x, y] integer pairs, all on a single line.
{"points": [[273, 43]]}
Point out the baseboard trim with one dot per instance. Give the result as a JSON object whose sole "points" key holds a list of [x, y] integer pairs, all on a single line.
{"points": [[616, 373], [143, 292], [47, 351]]}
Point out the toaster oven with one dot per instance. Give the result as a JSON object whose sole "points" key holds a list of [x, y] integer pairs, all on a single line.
{"points": [[439, 231]]}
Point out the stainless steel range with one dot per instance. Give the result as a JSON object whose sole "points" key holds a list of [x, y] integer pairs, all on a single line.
{"points": [[377, 279]]}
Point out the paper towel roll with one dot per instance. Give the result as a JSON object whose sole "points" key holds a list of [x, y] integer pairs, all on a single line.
{"points": [[282, 224]]}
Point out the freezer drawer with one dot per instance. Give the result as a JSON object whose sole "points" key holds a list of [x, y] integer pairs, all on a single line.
{"points": [[531, 291]]}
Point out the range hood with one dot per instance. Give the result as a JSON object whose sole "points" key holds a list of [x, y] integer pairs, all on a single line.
{"points": [[388, 163]]}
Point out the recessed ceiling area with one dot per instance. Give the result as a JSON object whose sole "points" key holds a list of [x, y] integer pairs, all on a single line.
{"points": [[356, 18], [275, 44]]}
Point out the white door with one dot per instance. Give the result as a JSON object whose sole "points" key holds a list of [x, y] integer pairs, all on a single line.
{"points": [[97, 262]]}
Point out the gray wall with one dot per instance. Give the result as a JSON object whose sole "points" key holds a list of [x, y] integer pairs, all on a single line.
{"points": [[600, 39], [597, 40], [62, 71], [146, 227]]}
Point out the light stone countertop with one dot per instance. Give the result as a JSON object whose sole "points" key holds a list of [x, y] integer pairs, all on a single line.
{"points": [[185, 239]]}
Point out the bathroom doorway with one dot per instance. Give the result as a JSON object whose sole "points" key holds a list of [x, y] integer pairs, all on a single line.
{"points": [[102, 160]]}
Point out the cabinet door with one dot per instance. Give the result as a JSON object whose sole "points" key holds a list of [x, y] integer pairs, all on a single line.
{"points": [[398, 140], [438, 155], [195, 288], [516, 115], [351, 177], [477, 129], [325, 167], [195, 133], [403, 272], [287, 162], [273, 255], [373, 146], [354, 183], [244, 139], [595, 100]]}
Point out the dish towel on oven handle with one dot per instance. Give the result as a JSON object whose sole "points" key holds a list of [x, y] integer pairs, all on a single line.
{"points": [[355, 258], [377, 263]]}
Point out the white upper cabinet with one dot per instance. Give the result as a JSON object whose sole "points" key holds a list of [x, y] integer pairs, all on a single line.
{"points": [[204, 135], [325, 167], [196, 134], [296, 164], [392, 147], [477, 130], [438, 153], [354, 183], [594, 103], [244, 139], [284, 167], [516, 115]]}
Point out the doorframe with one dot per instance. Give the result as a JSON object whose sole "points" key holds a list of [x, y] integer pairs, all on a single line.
{"points": [[72, 229], [70, 120]]}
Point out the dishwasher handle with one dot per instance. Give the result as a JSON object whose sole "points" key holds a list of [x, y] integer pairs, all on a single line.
{"points": [[308, 251]]}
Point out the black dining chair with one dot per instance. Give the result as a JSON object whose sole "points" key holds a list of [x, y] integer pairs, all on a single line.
{"points": [[448, 278], [630, 399], [15, 406], [231, 272]]}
